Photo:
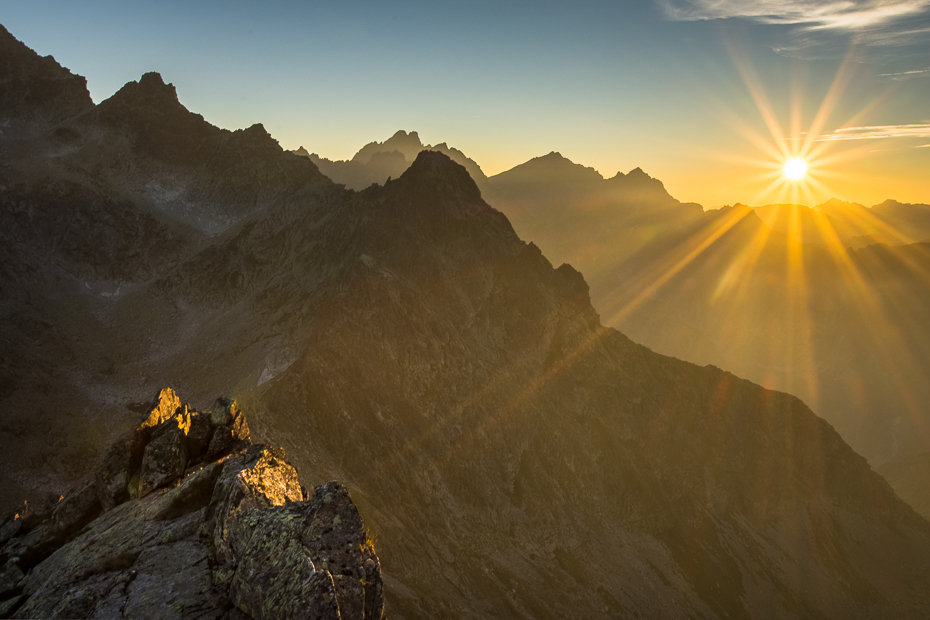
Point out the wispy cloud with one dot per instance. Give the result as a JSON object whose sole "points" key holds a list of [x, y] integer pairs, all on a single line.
{"points": [[904, 73], [877, 132], [843, 14]]}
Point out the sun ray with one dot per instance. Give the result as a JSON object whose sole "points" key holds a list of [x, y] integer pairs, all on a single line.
{"points": [[754, 86], [827, 106], [698, 246]]}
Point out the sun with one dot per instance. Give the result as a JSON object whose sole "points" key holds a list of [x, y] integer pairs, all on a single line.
{"points": [[795, 169]]}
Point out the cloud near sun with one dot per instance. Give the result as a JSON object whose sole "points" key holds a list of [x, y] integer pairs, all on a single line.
{"points": [[843, 15], [917, 130]]}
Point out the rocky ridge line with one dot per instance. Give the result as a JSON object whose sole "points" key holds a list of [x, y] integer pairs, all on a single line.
{"points": [[186, 517]]}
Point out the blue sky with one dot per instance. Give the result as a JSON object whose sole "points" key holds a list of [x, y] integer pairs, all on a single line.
{"points": [[681, 89]]}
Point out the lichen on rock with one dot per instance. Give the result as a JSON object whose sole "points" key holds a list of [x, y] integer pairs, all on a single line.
{"points": [[186, 517]]}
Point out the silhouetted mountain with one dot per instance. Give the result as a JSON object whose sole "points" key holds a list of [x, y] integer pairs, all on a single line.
{"points": [[408, 145], [910, 220], [376, 162], [513, 456], [578, 217], [36, 90]]}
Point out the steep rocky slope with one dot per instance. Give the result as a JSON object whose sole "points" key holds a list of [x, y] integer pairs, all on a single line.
{"points": [[183, 518], [515, 457]]}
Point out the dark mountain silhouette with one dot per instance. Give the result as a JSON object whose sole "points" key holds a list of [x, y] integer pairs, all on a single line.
{"points": [[35, 89], [376, 162], [580, 218], [513, 457]]}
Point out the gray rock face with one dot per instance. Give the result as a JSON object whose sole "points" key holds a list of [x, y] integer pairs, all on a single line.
{"points": [[232, 537]]}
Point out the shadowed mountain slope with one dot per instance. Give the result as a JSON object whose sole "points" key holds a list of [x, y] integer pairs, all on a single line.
{"points": [[514, 457]]}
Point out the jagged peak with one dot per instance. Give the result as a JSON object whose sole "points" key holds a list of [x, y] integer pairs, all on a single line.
{"points": [[255, 139], [38, 87], [433, 163], [149, 111], [400, 134], [150, 88], [634, 175], [432, 166], [555, 161], [407, 143], [257, 129], [553, 156]]}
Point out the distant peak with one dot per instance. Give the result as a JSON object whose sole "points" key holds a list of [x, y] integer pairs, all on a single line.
{"points": [[433, 162], [400, 134], [151, 79], [151, 89], [553, 158], [407, 143], [836, 203], [634, 175], [257, 130], [255, 140], [402, 137], [152, 83]]}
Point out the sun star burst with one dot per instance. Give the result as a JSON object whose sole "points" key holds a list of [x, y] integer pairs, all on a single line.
{"points": [[795, 169]]}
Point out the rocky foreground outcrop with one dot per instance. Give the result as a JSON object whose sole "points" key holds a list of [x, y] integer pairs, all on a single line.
{"points": [[186, 518]]}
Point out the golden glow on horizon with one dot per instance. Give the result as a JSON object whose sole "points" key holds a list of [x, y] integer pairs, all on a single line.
{"points": [[795, 169], [792, 165]]}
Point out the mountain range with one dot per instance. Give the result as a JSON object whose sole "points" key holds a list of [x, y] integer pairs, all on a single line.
{"points": [[829, 303], [512, 456]]}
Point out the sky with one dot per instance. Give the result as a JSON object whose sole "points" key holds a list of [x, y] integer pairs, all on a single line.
{"points": [[709, 96]]}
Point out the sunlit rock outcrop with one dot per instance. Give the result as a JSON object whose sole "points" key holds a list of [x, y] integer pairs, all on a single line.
{"points": [[187, 517]]}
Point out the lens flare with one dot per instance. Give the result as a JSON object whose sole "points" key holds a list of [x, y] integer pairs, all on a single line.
{"points": [[795, 169]]}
